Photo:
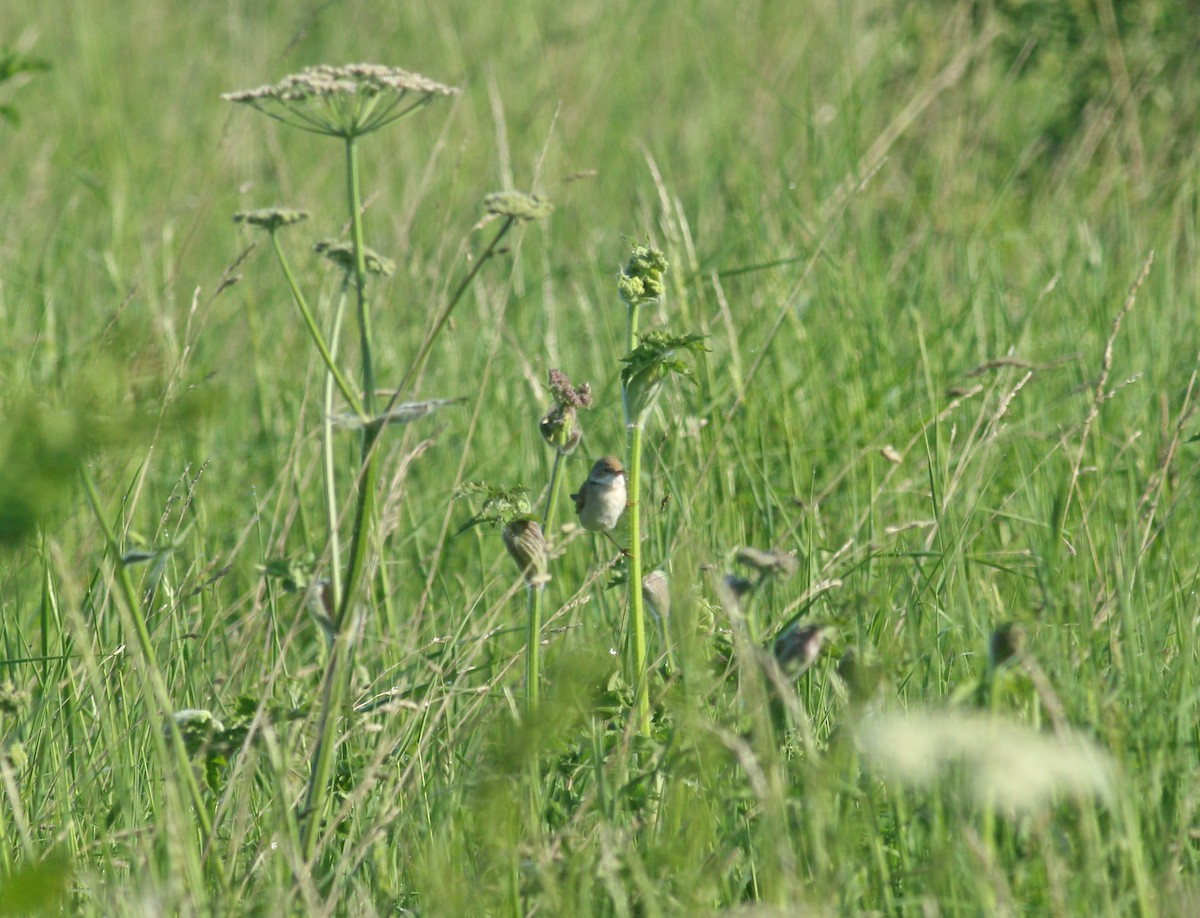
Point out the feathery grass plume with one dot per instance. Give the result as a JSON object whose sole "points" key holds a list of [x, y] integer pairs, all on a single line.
{"points": [[271, 218], [517, 206], [527, 546], [342, 255], [797, 647], [649, 365], [347, 101], [1005, 763]]}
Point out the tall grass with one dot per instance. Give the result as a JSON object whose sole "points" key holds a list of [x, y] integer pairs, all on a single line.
{"points": [[907, 233]]}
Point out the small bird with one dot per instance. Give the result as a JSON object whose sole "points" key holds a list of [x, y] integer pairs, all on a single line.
{"points": [[600, 500]]}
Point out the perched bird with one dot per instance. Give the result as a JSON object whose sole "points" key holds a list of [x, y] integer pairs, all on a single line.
{"points": [[600, 500]]}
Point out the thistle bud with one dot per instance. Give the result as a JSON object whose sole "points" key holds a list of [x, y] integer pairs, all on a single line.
{"points": [[527, 546]]}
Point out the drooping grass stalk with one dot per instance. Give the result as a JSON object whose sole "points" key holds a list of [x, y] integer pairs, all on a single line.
{"points": [[151, 677], [329, 465], [314, 331]]}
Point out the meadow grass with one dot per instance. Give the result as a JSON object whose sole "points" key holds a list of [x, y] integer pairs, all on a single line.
{"points": [[944, 256]]}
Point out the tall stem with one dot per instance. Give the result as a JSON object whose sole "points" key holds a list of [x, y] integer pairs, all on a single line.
{"points": [[337, 673], [637, 616]]}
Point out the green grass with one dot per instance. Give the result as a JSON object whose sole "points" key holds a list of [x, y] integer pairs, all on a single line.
{"points": [[865, 206]]}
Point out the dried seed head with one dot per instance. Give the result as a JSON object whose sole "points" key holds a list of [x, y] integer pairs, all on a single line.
{"points": [[342, 255], [566, 394], [797, 646], [270, 218], [344, 101], [525, 543], [517, 205], [769, 563]]}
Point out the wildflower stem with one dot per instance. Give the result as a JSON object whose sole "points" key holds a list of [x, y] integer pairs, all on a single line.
{"points": [[533, 651], [552, 496], [427, 344], [637, 615], [636, 611], [313, 331], [328, 459], [354, 195]]}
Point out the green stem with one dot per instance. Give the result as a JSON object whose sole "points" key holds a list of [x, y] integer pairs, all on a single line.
{"points": [[423, 352], [328, 459], [552, 497], [533, 651], [314, 332], [637, 615], [337, 673], [354, 202]]}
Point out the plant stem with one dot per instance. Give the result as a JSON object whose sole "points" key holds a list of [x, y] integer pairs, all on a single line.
{"points": [[423, 352], [314, 332], [329, 480], [636, 613], [637, 616], [338, 671], [533, 651]]}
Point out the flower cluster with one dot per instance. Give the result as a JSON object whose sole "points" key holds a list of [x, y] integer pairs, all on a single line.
{"points": [[346, 101], [641, 281], [270, 218], [516, 205]]}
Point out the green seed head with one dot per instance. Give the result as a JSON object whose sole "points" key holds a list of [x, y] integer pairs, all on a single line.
{"points": [[641, 281]]}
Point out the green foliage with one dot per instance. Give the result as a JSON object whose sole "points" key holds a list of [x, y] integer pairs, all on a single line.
{"points": [[904, 231]]}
